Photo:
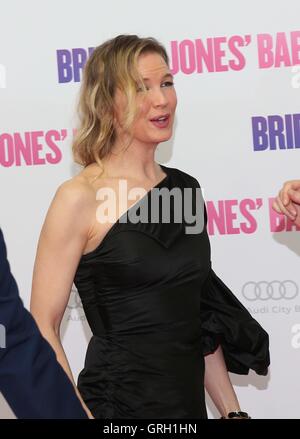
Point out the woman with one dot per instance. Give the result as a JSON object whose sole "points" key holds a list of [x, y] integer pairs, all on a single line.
{"points": [[141, 291]]}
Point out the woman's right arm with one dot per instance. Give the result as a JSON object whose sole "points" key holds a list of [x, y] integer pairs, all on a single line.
{"points": [[64, 234]]}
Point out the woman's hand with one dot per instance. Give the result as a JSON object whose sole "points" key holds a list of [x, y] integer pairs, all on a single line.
{"points": [[287, 201]]}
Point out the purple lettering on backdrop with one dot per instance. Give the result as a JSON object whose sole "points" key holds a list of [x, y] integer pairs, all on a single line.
{"points": [[70, 63], [259, 133], [276, 128], [64, 65], [296, 122], [276, 132], [79, 57], [289, 131]]}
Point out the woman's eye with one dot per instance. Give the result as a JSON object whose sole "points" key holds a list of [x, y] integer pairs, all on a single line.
{"points": [[164, 84], [168, 83], [140, 88]]}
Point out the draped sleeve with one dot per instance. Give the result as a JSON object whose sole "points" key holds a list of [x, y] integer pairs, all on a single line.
{"points": [[226, 322]]}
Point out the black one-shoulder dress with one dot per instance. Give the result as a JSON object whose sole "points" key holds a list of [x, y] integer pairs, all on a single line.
{"points": [[156, 308]]}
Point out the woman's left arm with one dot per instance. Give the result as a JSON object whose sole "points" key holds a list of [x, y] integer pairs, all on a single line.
{"points": [[218, 384]]}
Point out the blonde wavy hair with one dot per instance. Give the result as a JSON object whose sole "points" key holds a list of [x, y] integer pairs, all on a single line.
{"points": [[112, 64]]}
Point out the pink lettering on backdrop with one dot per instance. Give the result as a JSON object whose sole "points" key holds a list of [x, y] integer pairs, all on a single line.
{"points": [[279, 222], [218, 54], [32, 148], [187, 55], [231, 217], [281, 50], [234, 217], [223, 53]]}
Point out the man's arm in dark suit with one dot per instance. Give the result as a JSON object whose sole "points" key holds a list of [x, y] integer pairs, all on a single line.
{"points": [[31, 379]]}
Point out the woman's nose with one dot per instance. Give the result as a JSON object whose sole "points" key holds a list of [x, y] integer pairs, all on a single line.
{"points": [[159, 97]]}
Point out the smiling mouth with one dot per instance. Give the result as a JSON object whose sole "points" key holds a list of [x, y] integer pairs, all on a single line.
{"points": [[161, 122], [160, 118]]}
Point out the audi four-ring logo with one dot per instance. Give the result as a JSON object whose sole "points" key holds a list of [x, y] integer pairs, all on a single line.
{"points": [[275, 290]]}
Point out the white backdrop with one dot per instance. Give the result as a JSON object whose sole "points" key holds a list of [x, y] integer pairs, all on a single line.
{"points": [[249, 75]]}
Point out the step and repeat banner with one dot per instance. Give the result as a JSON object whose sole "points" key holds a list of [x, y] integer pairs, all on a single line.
{"points": [[237, 130]]}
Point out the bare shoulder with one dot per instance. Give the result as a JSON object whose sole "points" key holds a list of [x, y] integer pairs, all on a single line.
{"points": [[75, 192], [71, 209]]}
